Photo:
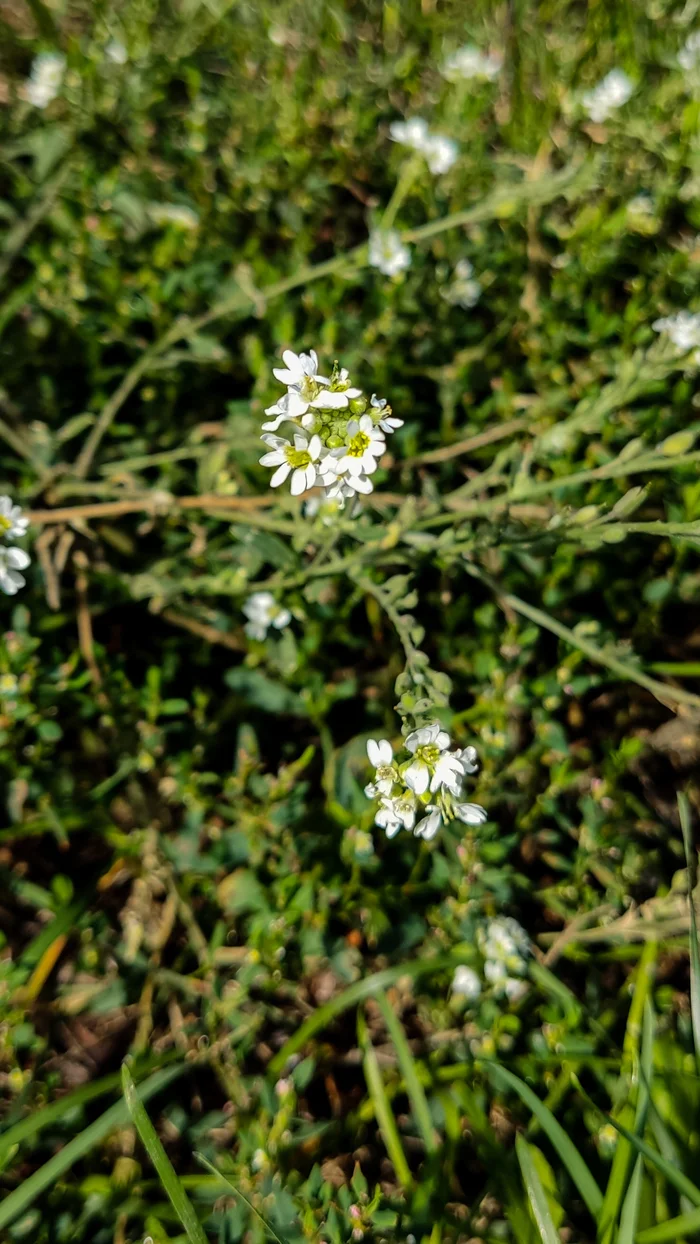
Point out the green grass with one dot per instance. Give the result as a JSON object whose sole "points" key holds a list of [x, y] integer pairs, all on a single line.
{"points": [[191, 877]]}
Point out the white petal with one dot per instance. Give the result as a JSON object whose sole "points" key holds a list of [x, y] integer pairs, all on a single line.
{"points": [[292, 361], [17, 559], [330, 401], [298, 482], [442, 739], [284, 376], [417, 777], [385, 753], [471, 813], [315, 447], [280, 475], [295, 404], [272, 459], [310, 474], [374, 752]]}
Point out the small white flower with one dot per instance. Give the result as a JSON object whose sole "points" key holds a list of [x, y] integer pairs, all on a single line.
{"points": [[682, 328], [505, 944], [610, 94], [116, 52], [466, 983], [363, 448], [298, 368], [412, 133], [470, 62], [381, 756], [304, 390], [300, 459], [429, 826], [387, 252], [427, 745], [689, 55], [471, 813], [12, 560], [440, 153], [396, 814], [263, 612], [641, 205], [464, 290], [45, 78], [467, 758], [13, 524], [388, 423]]}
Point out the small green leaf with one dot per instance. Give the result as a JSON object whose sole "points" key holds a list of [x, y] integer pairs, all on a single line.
{"points": [[535, 1193]]}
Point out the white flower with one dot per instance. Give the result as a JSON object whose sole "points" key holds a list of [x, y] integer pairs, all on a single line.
{"points": [[429, 826], [689, 55], [381, 756], [45, 78], [388, 423], [614, 91], [440, 153], [465, 290], [467, 758], [364, 446], [116, 52], [13, 524], [300, 459], [298, 368], [428, 745], [387, 252], [396, 814], [641, 205], [263, 612], [471, 813], [470, 62], [12, 560], [682, 328], [504, 944], [413, 133], [304, 390], [466, 983]]}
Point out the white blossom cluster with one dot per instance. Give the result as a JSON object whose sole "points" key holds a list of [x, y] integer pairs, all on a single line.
{"points": [[470, 62], [262, 612], [610, 94], [505, 947], [337, 436], [45, 78], [464, 290], [689, 55], [13, 525], [426, 790], [682, 328], [387, 252], [440, 151]]}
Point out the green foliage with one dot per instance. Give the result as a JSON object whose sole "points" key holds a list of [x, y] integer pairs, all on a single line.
{"points": [[191, 873]]}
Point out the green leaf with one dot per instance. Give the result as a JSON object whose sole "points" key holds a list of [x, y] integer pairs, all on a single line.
{"points": [[19, 1200], [237, 1192], [691, 862], [671, 1231], [564, 1147], [257, 689], [536, 1193], [382, 1109], [630, 1207], [171, 1184], [407, 1063]]}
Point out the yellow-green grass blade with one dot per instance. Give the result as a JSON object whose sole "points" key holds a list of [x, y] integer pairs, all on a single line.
{"points": [[84, 1143], [382, 1109], [691, 862], [407, 1063], [166, 1173], [630, 1205], [535, 1193], [563, 1145], [241, 1195], [671, 1231]]}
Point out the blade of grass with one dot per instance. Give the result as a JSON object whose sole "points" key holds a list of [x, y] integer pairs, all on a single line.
{"points": [[564, 1147], [117, 1116], [237, 1192], [382, 1109], [691, 863], [536, 1193], [673, 1230], [366, 988], [630, 1205], [407, 1063], [151, 1143]]}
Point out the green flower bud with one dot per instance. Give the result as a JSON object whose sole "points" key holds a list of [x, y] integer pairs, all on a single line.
{"points": [[358, 405]]}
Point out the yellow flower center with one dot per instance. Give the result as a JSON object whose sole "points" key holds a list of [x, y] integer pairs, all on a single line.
{"points": [[359, 443], [429, 753], [5, 523], [297, 458]]}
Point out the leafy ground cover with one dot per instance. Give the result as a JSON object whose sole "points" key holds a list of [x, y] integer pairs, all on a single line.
{"points": [[232, 1005]]}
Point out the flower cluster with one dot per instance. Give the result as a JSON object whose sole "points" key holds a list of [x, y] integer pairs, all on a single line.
{"points": [[44, 81], [339, 434], [470, 62], [464, 289], [610, 94], [387, 252], [13, 525], [682, 328], [506, 948], [440, 152], [426, 790], [262, 612]]}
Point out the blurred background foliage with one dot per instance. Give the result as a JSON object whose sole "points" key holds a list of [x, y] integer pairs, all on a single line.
{"points": [[189, 868]]}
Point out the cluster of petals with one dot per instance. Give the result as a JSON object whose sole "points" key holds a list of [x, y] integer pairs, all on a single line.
{"points": [[338, 436], [440, 151], [426, 790], [13, 525], [610, 94]]}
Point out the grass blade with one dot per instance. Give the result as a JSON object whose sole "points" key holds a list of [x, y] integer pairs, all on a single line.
{"points": [[536, 1193], [237, 1192], [630, 1205], [691, 862], [382, 1109], [151, 1143], [366, 988], [117, 1116], [564, 1147], [407, 1063], [672, 1231]]}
